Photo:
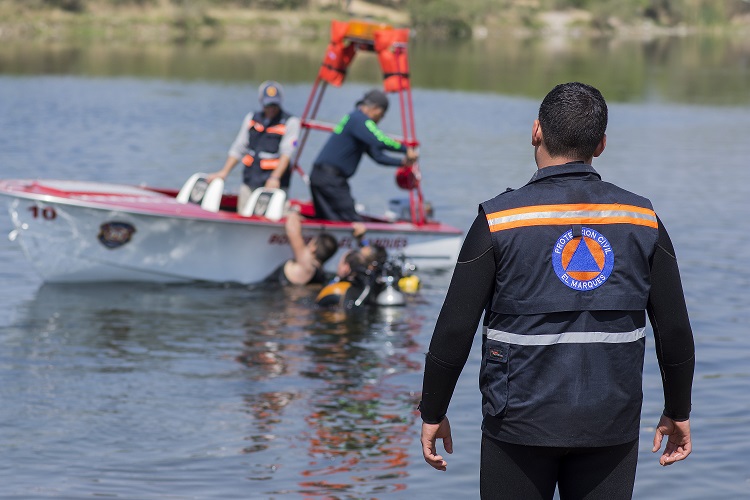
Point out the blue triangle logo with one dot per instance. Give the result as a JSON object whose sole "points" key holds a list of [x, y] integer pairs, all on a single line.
{"points": [[582, 260]]}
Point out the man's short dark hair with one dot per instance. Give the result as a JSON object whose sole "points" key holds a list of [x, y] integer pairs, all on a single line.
{"points": [[356, 261], [325, 246], [573, 117], [379, 256]]}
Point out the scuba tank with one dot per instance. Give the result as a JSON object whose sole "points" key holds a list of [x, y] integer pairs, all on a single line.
{"points": [[391, 295], [381, 285], [394, 272]]}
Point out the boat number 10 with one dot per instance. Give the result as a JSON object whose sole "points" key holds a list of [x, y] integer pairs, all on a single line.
{"points": [[46, 213]]}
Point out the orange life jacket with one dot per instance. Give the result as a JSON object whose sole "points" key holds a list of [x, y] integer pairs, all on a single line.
{"points": [[338, 55], [390, 46]]}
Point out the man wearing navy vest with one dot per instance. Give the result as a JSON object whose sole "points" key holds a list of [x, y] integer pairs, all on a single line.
{"points": [[264, 145], [565, 270]]}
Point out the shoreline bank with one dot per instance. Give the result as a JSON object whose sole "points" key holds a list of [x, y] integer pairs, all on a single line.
{"points": [[186, 24]]}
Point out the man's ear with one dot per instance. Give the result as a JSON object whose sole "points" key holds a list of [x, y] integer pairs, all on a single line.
{"points": [[600, 148], [536, 134]]}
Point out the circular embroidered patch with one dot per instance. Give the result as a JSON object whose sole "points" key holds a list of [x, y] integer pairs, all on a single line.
{"points": [[115, 234], [584, 262]]}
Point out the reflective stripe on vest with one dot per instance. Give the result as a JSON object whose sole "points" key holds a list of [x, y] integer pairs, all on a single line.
{"points": [[279, 129], [567, 337], [265, 163], [269, 164], [565, 214]]}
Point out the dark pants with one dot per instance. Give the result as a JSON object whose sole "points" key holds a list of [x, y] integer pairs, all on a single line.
{"points": [[331, 194], [511, 472]]}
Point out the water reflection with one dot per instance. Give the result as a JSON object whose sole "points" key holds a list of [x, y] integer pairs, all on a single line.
{"points": [[355, 415], [693, 70], [359, 426], [324, 398]]}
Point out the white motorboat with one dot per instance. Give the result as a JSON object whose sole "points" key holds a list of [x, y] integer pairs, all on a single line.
{"points": [[77, 231]]}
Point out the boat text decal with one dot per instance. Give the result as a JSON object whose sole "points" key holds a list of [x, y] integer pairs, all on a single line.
{"points": [[47, 213], [396, 243]]}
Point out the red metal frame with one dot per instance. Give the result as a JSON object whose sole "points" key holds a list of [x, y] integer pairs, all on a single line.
{"points": [[406, 108]]}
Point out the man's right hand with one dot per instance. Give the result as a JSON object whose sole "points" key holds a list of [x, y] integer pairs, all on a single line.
{"points": [[215, 175]]}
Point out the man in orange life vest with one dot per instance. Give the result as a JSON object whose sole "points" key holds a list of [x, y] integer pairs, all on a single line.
{"points": [[264, 144], [355, 134]]}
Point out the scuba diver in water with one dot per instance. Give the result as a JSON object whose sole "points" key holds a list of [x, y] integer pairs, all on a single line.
{"points": [[367, 276], [307, 265]]}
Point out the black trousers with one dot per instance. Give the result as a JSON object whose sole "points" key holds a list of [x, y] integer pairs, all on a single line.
{"points": [[512, 472], [331, 194]]}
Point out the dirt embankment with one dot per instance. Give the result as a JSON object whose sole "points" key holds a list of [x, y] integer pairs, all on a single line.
{"points": [[165, 22]]}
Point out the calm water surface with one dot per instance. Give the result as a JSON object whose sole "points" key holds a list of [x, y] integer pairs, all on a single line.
{"points": [[142, 391]]}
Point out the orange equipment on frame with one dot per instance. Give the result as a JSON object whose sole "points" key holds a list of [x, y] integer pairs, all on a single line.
{"points": [[390, 45], [338, 56]]}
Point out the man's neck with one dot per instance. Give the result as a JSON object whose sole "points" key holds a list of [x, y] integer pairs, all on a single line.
{"points": [[544, 160]]}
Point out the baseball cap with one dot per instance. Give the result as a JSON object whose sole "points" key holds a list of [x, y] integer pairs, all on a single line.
{"points": [[270, 92], [376, 97]]}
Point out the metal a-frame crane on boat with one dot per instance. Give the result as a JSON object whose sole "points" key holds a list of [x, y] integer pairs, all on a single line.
{"points": [[391, 46]]}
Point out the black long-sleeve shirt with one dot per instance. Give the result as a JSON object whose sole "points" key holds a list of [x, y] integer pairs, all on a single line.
{"points": [[356, 134], [471, 289]]}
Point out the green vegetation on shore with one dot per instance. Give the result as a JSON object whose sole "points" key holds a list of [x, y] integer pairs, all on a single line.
{"points": [[230, 20]]}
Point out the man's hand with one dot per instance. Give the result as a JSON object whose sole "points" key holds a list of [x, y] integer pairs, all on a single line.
{"points": [[430, 434], [215, 175], [678, 444], [411, 156], [272, 183], [358, 229]]}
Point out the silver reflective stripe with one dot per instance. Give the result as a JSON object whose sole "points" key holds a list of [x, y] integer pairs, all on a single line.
{"points": [[567, 337]]}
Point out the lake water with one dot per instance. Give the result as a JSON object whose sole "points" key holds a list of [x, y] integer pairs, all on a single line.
{"points": [[216, 392]]}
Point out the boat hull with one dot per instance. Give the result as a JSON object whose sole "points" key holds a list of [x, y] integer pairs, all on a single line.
{"points": [[91, 232]]}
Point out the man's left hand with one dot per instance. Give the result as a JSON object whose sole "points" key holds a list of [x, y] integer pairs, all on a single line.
{"points": [[678, 445], [411, 156], [272, 183]]}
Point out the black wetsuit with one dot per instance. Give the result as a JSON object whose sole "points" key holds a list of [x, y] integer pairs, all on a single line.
{"points": [[338, 160], [279, 276], [577, 471]]}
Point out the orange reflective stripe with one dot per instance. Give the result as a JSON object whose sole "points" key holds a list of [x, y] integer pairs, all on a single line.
{"points": [[277, 129], [248, 160], [269, 164], [257, 126], [580, 213]]}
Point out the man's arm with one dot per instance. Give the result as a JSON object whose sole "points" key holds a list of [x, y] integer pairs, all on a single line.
{"points": [[675, 350], [470, 290], [286, 150], [376, 141], [274, 181], [236, 151], [293, 228]]}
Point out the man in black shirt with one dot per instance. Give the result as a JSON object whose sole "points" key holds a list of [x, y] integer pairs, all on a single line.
{"points": [[356, 133]]}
